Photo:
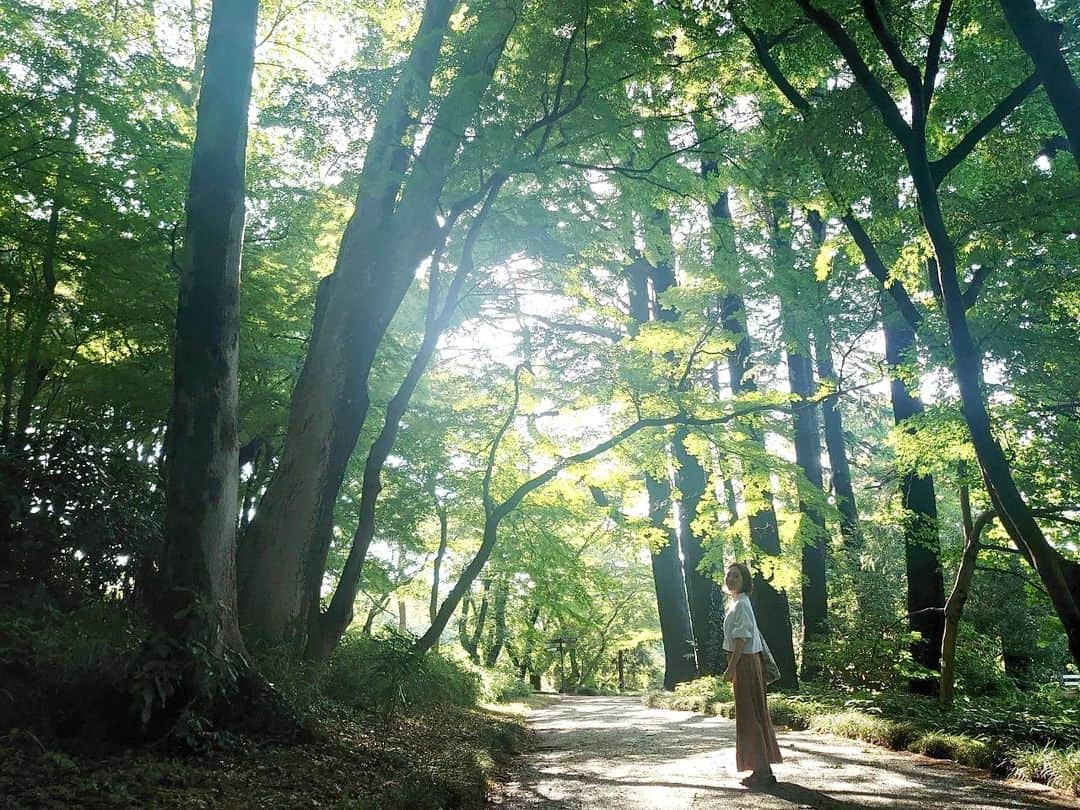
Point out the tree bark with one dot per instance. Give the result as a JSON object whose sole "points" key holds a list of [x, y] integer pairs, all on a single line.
{"points": [[922, 548], [197, 594], [326, 628], [436, 575], [702, 591], [671, 601], [393, 228], [770, 604], [1041, 40], [812, 532], [954, 607], [498, 634], [671, 594], [832, 419]]}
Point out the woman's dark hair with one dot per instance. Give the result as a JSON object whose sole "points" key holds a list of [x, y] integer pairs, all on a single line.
{"points": [[747, 580]]}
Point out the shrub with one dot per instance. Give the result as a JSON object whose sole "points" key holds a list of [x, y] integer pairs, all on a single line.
{"points": [[1065, 770], [1032, 764], [503, 687], [383, 674], [792, 712], [962, 749]]}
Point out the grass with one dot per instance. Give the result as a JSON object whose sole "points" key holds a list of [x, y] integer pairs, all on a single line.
{"points": [[1057, 767]]}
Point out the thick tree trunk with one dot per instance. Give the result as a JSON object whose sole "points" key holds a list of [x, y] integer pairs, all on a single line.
{"points": [[326, 628], [703, 593], [197, 593], [807, 448], [676, 630], [922, 554], [680, 665], [1041, 39], [770, 604], [392, 230]]}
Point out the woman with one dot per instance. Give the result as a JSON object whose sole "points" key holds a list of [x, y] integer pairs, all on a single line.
{"points": [[755, 740]]}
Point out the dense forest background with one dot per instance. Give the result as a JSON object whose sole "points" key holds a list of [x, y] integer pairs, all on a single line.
{"points": [[503, 326]]}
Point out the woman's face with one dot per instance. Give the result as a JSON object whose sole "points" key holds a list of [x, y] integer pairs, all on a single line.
{"points": [[733, 581]]}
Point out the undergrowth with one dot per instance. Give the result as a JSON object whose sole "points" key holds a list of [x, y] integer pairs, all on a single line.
{"points": [[386, 727]]}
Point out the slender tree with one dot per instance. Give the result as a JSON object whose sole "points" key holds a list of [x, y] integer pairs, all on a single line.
{"points": [[197, 594]]}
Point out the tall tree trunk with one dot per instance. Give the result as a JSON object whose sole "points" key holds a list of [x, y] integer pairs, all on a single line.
{"points": [[393, 228], [1013, 511], [671, 597], [812, 532], [770, 603], [702, 591], [922, 548], [671, 602], [1041, 39], [832, 419], [197, 594]]}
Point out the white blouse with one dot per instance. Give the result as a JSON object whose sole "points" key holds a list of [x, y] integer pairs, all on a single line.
{"points": [[739, 622]]}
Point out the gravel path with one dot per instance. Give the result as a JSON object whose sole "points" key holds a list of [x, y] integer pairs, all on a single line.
{"points": [[613, 753]]}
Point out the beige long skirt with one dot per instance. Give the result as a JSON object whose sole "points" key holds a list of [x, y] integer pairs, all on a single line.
{"points": [[755, 739]]}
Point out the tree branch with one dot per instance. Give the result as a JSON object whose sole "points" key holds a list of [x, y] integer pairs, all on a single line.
{"points": [[971, 294], [933, 52], [900, 63], [941, 167], [877, 93]]}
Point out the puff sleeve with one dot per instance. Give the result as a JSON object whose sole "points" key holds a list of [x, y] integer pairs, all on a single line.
{"points": [[738, 623]]}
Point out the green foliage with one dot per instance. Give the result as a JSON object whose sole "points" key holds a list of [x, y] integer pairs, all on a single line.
{"points": [[868, 728], [500, 686], [793, 711], [385, 675], [1057, 767], [965, 750]]}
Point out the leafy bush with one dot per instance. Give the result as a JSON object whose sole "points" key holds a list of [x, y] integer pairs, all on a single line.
{"points": [[792, 711], [77, 515], [384, 673], [962, 749], [1057, 767], [1032, 764], [503, 687], [866, 727]]}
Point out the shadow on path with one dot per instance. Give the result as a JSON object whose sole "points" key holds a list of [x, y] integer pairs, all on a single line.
{"points": [[604, 753]]}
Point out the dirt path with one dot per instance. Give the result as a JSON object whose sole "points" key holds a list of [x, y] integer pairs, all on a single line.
{"points": [[614, 753]]}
